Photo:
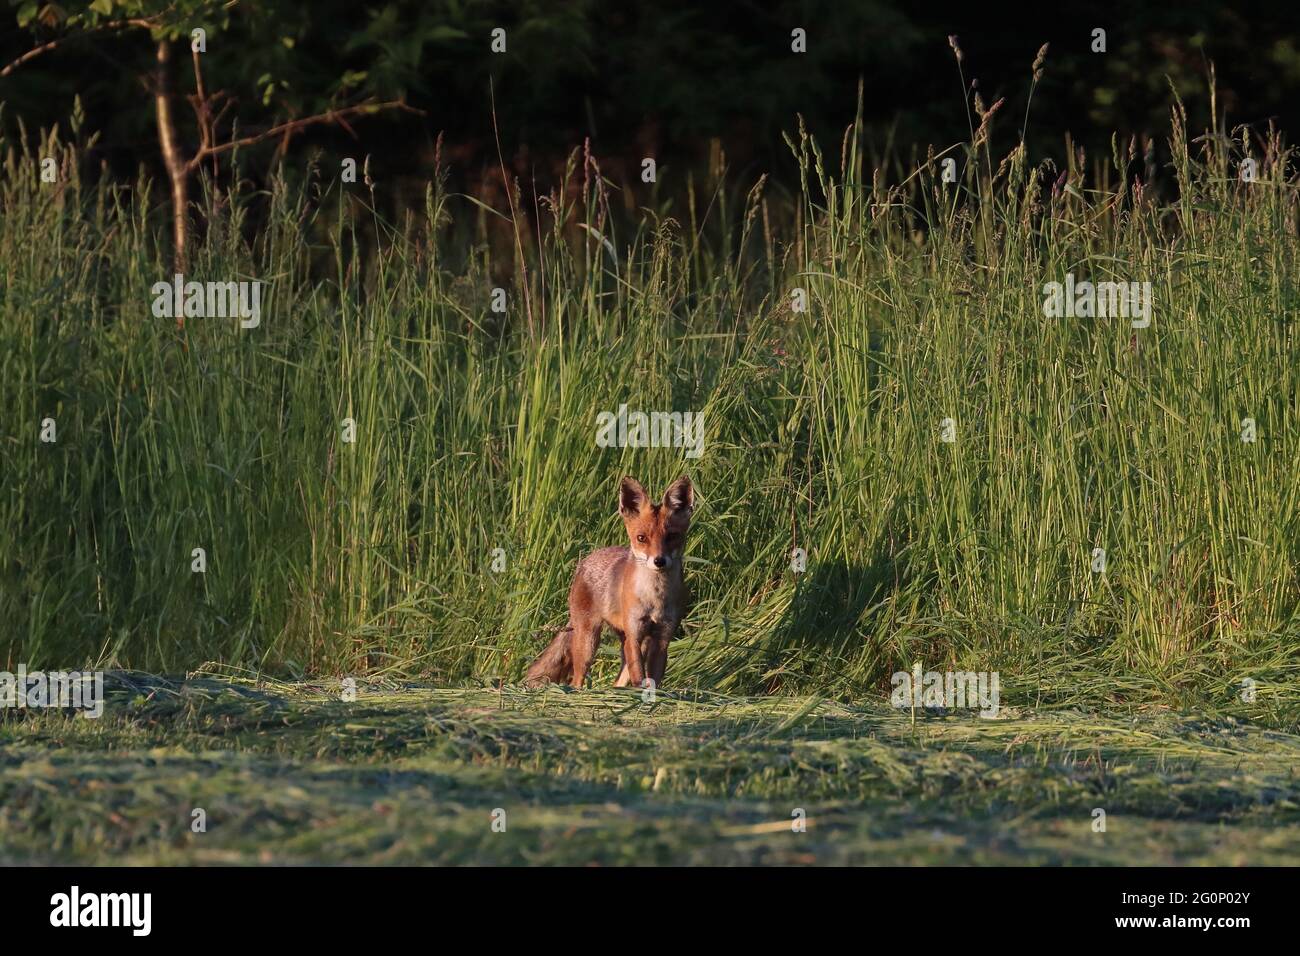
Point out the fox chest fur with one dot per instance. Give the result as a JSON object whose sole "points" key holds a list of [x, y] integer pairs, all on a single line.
{"points": [[617, 585]]}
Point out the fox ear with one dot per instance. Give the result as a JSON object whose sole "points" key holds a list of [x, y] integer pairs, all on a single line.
{"points": [[680, 496], [631, 497]]}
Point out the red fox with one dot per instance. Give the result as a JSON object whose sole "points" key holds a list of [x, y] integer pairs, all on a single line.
{"points": [[636, 590]]}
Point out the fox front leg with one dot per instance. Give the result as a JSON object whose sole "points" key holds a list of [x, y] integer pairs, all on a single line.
{"points": [[633, 668], [656, 658]]}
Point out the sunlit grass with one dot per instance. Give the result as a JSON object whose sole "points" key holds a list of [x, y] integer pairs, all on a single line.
{"points": [[290, 773], [475, 431]]}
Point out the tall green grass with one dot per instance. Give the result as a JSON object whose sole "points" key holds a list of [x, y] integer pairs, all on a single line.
{"points": [[476, 431]]}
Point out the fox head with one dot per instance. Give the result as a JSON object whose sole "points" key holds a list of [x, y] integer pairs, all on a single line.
{"points": [[657, 532]]}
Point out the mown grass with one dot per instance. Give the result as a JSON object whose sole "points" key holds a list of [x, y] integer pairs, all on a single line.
{"points": [[476, 431], [290, 773]]}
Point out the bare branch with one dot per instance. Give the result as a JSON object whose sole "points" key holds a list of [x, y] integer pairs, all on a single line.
{"points": [[293, 126], [55, 44], [202, 107]]}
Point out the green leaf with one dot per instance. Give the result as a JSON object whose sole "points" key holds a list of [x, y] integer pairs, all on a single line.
{"points": [[102, 6], [27, 13]]}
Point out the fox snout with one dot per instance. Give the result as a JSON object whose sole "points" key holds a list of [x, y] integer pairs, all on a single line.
{"points": [[658, 562]]}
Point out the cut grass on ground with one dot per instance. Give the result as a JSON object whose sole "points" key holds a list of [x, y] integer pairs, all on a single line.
{"points": [[290, 773]]}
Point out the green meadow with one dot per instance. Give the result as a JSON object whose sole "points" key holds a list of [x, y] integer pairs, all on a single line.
{"points": [[291, 774], [908, 456]]}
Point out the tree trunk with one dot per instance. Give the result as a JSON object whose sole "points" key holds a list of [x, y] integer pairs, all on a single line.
{"points": [[172, 158]]}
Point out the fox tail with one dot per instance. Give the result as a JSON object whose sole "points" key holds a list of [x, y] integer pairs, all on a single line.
{"points": [[554, 665]]}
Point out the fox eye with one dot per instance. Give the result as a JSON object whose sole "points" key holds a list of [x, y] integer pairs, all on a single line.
{"points": [[641, 538]]}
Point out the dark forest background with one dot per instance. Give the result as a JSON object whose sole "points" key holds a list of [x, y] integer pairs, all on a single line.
{"points": [[679, 80]]}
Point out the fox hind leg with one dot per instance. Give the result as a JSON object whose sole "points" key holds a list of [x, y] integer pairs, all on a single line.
{"points": [[554, 665], [586, 638]]}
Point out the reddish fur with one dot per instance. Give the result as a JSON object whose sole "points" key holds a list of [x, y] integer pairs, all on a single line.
{"points": [[620, 587]]}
